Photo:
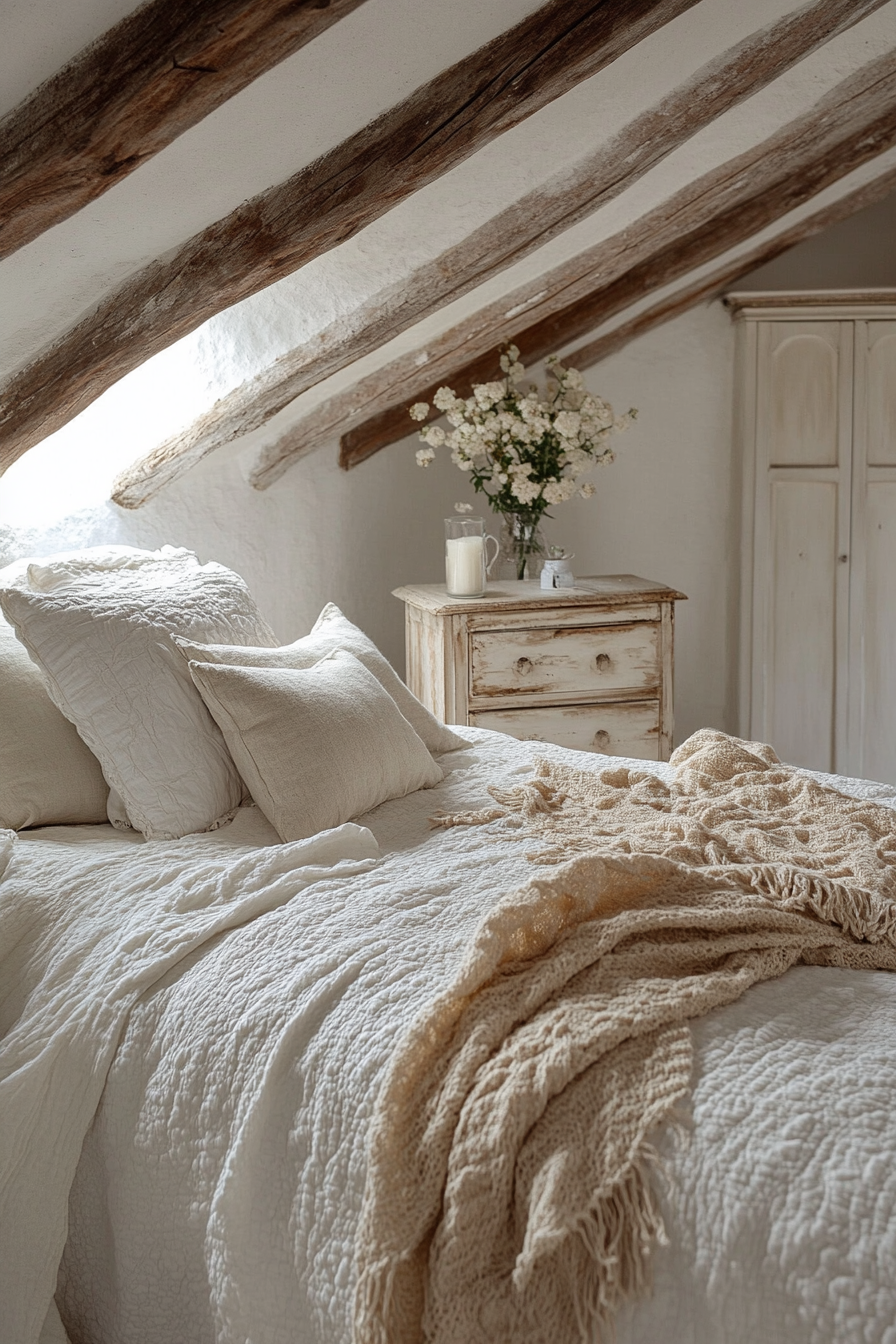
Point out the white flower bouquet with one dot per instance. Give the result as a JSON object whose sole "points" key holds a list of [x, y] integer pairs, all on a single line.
{"points": [[523, 451]]}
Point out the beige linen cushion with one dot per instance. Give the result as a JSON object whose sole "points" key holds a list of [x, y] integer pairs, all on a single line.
{"points": [[334, 631], [99, 623], [316, 746], [48, 777]]}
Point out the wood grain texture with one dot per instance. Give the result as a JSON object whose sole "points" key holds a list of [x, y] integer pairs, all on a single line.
{"points": [[714, 283], [591, 670], [793, 309], [509, 236], [402, 378], [852, 125], [129, 94], [619, 729], [438, 126], [578, 663]]}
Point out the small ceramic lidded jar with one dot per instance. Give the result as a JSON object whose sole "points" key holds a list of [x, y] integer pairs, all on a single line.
{"points": [[465, 556]]}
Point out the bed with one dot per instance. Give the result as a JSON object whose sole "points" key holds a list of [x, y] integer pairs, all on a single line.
{"points": [[194, 1106]]}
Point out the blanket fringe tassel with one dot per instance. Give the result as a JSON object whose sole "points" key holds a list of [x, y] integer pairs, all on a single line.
{"points": [[373, 1302], [617, 1232]]}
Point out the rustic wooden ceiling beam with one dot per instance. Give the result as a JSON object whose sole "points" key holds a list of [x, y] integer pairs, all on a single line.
{"points": [[334, 417], [129, 94], [711, 285], [853, 124], [323, 426], [509, 236], [716, 213], [267, 238]]}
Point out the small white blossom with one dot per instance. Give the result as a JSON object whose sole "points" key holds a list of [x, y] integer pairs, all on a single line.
{"points": [[587, 490], [568, 423], [425, 456], [525, 490], [463, 508], [444, 399], [578, 460], [434, 435], [557, 492], [419, 410], [487, 394]]}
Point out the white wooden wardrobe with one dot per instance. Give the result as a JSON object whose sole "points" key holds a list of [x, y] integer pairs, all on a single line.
{"points": [[816, 412]]}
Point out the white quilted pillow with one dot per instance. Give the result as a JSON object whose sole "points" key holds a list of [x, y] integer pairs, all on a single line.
{"points": [[334, 631], [99, 623], [316, 746]]}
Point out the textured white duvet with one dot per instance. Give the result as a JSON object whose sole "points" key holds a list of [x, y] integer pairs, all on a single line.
{"points": [[219, 1185]]}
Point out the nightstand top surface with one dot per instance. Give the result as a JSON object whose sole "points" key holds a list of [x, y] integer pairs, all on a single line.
{"points": [[601, 590]]}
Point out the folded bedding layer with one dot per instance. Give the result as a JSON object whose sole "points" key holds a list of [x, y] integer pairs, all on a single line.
{"points": [[220, 1184]]}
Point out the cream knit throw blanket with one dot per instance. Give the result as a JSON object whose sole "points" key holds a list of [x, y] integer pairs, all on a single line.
{"points": [[508, 1194]]}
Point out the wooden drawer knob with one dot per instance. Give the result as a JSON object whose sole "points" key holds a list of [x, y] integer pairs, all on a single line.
{"points": [[523, 666], [602, 740], [602, 662]]}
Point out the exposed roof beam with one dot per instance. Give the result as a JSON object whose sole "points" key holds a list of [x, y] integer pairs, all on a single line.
{"points": [[323, 426], [530, 222], [130, 93], [336, 415], [724, 208], [696, 290], [272, 235], [750, 193]]}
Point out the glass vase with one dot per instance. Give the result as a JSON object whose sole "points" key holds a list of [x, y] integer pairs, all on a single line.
{"points": [[522, 547]]}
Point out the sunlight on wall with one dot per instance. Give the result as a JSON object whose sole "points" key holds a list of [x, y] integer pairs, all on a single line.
{"points": [[74, 468]]}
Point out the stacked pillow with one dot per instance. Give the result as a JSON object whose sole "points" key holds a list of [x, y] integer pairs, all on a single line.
{"points": [[99, 624], [47, 775], [169, 675], [316, 746], [333, 631], [323, 729]]}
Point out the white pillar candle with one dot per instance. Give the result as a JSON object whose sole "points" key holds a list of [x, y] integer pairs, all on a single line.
{"points": [[464, 566]]}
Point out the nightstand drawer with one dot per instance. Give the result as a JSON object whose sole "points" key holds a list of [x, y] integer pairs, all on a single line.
{"points": [[579, 660], [618, 730]]}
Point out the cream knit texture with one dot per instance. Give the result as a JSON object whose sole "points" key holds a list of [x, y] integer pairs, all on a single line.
{"points": [[509, 1188]]}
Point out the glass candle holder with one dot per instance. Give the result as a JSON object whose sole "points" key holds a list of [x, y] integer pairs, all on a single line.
{"points": [[466, 567]]}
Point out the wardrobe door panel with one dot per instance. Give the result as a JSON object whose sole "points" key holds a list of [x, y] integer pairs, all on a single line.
{"points": [[880, 387], [804, 373], [801, 630], [879, 664]]}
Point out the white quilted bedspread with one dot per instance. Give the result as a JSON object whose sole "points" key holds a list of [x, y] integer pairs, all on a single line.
{"points": [[220, 1183]]}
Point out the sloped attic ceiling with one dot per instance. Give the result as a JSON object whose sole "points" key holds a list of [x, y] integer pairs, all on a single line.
{"points": [[281, 222]]}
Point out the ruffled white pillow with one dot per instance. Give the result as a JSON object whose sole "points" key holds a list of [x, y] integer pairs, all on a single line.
{"points": [[99, 623], [333, 631], [317, 746]]}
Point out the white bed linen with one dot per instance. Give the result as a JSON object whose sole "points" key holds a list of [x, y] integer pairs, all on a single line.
{"points": [[83, 934], [220, 1183]]}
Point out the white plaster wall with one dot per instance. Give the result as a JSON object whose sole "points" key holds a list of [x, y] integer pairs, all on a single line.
{"points": [[858, 252]]}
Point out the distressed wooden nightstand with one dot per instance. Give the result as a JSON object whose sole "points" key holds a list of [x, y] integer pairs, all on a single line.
{"points": [[588, 667]]}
